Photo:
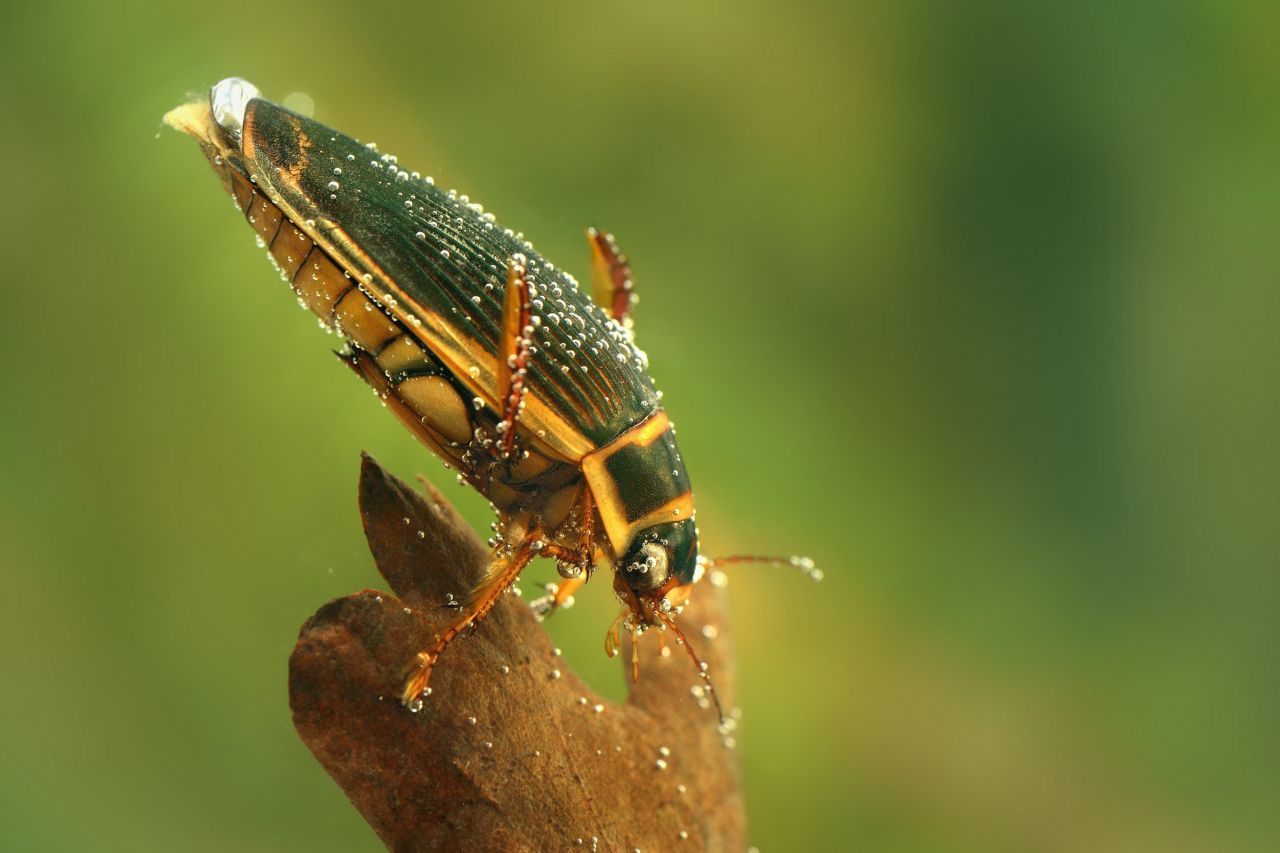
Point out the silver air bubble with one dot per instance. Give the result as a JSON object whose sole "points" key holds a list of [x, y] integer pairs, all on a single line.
{"points": [[229, 99]]}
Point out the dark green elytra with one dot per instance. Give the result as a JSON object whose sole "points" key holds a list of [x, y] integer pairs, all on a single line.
{"points": [[450, 256], [419, 282]]}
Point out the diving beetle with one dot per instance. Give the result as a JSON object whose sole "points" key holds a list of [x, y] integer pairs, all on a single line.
{"points": [[490, 355]]}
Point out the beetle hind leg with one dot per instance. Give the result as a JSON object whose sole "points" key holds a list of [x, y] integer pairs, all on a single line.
{"points": [[513, 356], [611, 277]]}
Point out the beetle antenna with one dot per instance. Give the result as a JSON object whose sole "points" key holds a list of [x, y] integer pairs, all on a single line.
{"points": [[697, 661], [803, 564]]}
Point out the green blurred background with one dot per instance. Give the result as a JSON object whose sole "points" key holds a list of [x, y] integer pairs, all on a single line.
{"points": [[975, 304]]}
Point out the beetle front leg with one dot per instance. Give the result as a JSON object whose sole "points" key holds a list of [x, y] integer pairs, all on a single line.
{"points": [[558, 595]]}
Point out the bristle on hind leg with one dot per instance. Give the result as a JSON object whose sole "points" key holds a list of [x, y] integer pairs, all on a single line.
{"points": [[515, 339], [611, 277]]}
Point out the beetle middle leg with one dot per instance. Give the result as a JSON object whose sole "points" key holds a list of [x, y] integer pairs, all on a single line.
{"points": [[577, 561], [498, 577], [574, 563]]}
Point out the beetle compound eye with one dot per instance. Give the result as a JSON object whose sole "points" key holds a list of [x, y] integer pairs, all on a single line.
{"points": [[650, 568], [229, 99]]}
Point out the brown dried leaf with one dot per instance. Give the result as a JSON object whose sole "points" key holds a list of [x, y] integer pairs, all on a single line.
{"points": [[505, 755]]}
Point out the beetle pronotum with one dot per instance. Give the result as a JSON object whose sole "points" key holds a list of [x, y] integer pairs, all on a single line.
{"points": [[495, 359]]}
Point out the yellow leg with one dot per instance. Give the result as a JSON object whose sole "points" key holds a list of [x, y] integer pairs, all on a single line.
{"points": [[566, 589], [611, 276], [513, 354], [501, 574], [582, 556], [613, 641], [550, 603], [613, 637]]}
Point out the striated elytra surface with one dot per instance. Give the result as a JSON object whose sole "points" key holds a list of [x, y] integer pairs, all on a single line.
{"points": [[511, 751]]}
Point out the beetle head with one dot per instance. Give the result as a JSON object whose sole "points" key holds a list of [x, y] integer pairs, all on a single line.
{"points": [[660, 558]]}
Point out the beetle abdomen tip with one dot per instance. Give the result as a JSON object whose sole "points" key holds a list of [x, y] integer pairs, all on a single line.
{"points": [[229, 99]]}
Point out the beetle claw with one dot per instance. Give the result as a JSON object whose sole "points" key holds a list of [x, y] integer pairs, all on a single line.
{"points": [[415, 689]]}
